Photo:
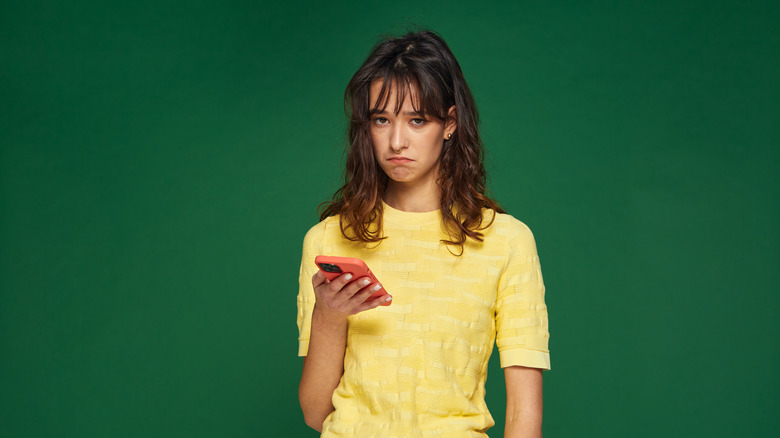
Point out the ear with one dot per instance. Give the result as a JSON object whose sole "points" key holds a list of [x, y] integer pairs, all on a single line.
{"points": [[451, 123]]}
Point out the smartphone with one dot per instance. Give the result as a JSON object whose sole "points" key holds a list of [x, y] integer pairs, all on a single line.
{"points": [[333, 266]]}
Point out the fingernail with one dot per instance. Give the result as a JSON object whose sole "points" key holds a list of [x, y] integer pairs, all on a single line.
{"points": [[377, 287], [389, 298], [348, 277], [366, 281]]}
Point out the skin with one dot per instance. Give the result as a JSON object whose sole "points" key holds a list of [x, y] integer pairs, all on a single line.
{"points": [[407, 148], [523, 402], [324, 364], [407, 136]]}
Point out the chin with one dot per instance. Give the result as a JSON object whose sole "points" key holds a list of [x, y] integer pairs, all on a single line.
{"points": [[399, 175], [401, 178]]}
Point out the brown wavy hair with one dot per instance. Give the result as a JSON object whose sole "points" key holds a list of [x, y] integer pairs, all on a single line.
{"points": [[421, 61]]}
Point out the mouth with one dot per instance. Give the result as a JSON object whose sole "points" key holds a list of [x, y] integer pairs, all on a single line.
{"points": [[400, 160]]}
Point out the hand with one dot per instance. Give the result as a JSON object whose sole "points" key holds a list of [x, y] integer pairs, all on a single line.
{"points": [[342, 297]]}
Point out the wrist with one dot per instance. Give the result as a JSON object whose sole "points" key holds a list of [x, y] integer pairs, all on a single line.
{"points": [[325, 318]]}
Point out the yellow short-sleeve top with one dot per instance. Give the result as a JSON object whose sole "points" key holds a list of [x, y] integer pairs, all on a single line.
{"points": [[417, 368]]}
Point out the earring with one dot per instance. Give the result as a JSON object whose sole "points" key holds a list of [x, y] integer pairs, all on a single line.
{"points": [[449, 136]]}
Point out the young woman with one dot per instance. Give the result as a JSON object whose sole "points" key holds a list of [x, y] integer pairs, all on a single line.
{"points": [[460, 273]]}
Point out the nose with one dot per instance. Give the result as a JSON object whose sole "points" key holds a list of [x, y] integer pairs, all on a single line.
{"points": [[398, 138]]}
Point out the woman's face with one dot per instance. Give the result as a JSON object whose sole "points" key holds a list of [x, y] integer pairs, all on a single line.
{"points": [[407, 147]]}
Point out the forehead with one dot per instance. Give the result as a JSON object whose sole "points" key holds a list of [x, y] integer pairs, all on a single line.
{"points": [[398, 96]]}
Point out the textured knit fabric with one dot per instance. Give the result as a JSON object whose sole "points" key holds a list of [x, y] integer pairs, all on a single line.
{"points": [[417, 368]]}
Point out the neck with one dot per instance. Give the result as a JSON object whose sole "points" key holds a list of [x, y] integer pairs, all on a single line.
{"points": [[413, 198]]}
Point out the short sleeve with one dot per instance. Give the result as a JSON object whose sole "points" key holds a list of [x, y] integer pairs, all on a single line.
{"points": [[311, 244], [522, 332]]}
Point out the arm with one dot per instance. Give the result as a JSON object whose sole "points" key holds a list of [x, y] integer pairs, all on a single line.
{"points": [[523, 402], [322, 368], [522, 334], [324, 364]]}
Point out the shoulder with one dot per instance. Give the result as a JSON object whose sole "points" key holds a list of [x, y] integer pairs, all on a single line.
{"points": [[506, 224], [318, 232], [512, 231]]}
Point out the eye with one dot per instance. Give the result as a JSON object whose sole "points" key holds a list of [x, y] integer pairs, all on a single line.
{"points": [[380, 120], [418, 122]]}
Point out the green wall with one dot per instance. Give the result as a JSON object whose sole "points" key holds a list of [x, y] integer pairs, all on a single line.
{"points": [[161, 161]]}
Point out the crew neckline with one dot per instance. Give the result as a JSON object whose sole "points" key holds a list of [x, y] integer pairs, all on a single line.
{"points": [[409, 217]]}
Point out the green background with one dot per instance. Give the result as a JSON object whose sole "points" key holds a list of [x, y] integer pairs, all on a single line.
{"points": [[161, 162]]}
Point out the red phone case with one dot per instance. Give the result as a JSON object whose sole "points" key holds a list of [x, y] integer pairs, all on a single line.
{"points": [[333, 266]]}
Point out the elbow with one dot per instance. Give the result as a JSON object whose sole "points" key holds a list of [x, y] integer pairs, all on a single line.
{"points": [[315, 422], [312, 419], [315, 400], [312, 416]]}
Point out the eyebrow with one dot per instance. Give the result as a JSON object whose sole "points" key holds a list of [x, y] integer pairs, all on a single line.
{"points": [[406, 113]]}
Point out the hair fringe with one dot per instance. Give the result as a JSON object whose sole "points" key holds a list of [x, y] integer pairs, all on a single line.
{"points": [[422, 60]]}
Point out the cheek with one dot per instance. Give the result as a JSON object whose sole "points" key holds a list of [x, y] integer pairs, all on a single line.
{"points": [[376, 139], [375, 152], [435, 144], [375, 149]]}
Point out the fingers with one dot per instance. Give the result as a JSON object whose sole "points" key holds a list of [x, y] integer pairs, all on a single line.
{"points": [[366, 291], [337, 283], [357, 285], [318, 278], [365, 299], [373, 302], [337, 290], [340, 282], [347, 295]]}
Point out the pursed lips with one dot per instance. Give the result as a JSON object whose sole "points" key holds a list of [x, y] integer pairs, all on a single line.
{"points": [[400, 160]]}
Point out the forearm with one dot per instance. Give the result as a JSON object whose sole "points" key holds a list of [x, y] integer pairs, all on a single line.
{"points": [[322, 367], [522, 425], [523, 402]]}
